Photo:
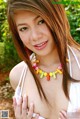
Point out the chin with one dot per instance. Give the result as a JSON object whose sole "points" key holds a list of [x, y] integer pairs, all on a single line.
{"points": [[43, 53]]}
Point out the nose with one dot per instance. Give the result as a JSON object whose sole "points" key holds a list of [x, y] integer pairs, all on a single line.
{"points": [[35, 34]]}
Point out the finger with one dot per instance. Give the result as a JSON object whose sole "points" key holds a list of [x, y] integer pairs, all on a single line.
{"points": [[18, 110], [30, 112], [14, 102], [24, 105], [63, 115]]}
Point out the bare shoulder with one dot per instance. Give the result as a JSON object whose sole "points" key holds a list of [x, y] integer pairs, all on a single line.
{"points": [[77, 53], [75, 63], [15, 74]]}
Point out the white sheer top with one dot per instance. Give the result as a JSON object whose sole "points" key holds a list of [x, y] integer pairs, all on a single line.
{"points": [[74, 103]]}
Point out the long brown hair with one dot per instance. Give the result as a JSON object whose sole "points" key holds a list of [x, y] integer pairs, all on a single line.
{"points": [[55, 17]]}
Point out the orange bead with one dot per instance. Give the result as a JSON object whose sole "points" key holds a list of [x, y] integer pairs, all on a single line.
{"points": [[48, 76]]}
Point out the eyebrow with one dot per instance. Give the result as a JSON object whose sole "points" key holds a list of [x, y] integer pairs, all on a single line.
{"points": [[20, 24]]}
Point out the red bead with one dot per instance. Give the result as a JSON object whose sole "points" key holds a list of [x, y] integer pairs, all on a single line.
{"points": [[48, 76]]}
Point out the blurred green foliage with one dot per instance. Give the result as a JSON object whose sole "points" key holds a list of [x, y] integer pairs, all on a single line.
{"points": [[8, 54], [73, 14]]}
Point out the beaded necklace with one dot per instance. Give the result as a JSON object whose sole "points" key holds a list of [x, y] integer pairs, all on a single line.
{"points": [[44, 73]]}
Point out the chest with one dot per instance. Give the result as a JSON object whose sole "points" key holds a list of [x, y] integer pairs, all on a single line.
{"points": [[54, 93]]}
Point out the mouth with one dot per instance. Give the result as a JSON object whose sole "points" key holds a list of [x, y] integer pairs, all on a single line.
{"points": [[41, 45]]}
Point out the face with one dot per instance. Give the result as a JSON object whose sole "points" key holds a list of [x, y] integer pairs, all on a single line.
{"points": [[34, 32]]}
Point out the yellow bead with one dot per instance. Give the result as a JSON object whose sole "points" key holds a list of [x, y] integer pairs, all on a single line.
{"points": [[40, 71], [51, 74], [59, 71], [45, 74]]}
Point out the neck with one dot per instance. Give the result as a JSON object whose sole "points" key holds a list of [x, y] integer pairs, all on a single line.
{"points": [[50, 59], [49, 65]]}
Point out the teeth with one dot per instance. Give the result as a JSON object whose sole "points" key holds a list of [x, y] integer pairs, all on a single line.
{"points": [[40, 44]]}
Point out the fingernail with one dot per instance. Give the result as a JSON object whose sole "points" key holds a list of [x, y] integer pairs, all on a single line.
{"points": [[19, 100], [31, 104], [24, 97]]}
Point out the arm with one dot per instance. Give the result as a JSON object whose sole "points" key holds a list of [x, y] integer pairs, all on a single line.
{"points": [[15, 74], [21, 104]]}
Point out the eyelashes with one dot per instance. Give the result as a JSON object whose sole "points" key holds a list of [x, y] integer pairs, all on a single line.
{"points": [[25, 28], [41, 21]]}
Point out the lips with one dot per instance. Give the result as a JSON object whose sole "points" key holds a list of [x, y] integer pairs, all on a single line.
{"points": [[41, 45]]}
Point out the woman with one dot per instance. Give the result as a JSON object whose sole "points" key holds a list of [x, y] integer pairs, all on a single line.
{"points": [[46, 80]]}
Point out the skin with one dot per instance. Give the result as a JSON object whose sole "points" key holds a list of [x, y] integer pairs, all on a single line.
{"points": [[34, 31], [21, 110]]}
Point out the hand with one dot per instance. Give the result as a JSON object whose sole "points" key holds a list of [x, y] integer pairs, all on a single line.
{"points": [[20, 109], [69, 115]]}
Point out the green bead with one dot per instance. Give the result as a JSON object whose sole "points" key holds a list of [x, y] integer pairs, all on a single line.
{"points": [[42, 75], [54, 75]]}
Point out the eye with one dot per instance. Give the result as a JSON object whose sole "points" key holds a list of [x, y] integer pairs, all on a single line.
{"points": [[41, 22], [23, 29]]}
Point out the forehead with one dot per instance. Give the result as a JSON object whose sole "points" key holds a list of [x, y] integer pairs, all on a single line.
{"points": [[24, 14]]}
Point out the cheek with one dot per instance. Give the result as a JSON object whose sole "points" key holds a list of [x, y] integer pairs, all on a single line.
{"points": [[46, 31], [24, 38]]}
